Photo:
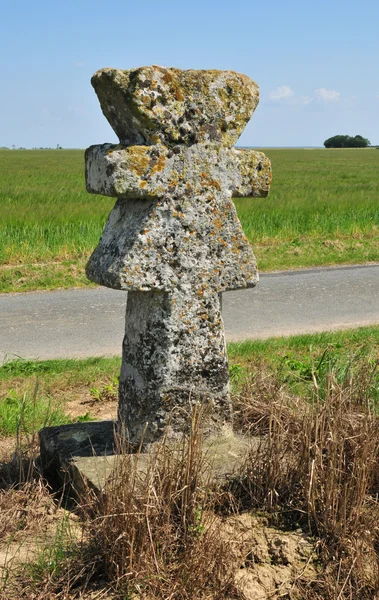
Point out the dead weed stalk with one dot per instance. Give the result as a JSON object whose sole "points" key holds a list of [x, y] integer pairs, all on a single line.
{"points": [[151, 532]]}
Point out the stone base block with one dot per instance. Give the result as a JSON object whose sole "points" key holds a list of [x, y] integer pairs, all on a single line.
{"points": [[84, 456], [61, 446]]}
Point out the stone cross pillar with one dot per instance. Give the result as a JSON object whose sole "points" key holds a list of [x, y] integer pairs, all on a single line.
{"points": [[173, 239]]}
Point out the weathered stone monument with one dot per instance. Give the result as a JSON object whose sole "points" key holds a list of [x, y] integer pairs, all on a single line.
{"points": [[173, 239]]}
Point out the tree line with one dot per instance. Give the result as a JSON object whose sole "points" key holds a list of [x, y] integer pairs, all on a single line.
{"points": [[347, 141]]}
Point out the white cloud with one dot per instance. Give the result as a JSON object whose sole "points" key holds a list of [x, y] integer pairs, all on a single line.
{"points": [[327, 95], [283, 91]]}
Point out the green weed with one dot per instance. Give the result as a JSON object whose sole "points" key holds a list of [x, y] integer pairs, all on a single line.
{"points": [[52, 558], [105, 392], [84, 418], [28, 413]]}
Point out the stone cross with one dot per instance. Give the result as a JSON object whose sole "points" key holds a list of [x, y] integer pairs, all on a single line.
{"points": [[173, 239]]}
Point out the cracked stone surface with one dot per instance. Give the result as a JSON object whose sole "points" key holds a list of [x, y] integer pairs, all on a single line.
{"points": [[173, 239]]}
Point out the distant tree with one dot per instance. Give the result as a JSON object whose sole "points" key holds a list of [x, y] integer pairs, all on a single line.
{"points": [[347, 141]]}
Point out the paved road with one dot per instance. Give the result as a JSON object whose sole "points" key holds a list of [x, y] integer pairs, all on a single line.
{"points": [[89, 322]]}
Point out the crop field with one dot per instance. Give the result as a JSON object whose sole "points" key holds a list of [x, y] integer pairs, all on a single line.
{"points": [[323, 209]]}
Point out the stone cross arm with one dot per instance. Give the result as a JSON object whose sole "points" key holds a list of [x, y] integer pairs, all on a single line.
{"points": [[153, 171], [174, 215], [174, 174]]}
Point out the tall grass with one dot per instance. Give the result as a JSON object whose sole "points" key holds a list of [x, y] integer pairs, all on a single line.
{"points": [[46, 213], [151, 533], [315, 192], [31, 413]]}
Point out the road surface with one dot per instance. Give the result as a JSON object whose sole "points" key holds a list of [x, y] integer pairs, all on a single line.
{"points": [[89, 322]]}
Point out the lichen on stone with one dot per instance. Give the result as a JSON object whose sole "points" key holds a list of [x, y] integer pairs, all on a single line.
{"points": [[173, 239], [154, 103]]}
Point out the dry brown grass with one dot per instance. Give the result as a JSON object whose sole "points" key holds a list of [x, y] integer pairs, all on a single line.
{"points": [[24, 508], [317, 468], [151, 533]]}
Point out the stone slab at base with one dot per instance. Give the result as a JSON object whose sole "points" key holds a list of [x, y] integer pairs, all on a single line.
{"points": [[60, 446], [83, 455]]}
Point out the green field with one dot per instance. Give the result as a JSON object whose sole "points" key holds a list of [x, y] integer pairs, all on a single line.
{"points": [[323, 209]]}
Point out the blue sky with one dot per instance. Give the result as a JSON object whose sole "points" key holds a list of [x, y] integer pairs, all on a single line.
{"points": [[316, 63]]}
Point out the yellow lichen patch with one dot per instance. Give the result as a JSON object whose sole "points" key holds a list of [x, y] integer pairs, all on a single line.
{"points": [[174, 179], [160, 164], [218, 224], [179, 94], [207, 181], [167, 77], [143, 183], [138, 159]]}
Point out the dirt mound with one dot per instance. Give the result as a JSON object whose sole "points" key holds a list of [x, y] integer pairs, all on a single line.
{"points": [[269, 561]]}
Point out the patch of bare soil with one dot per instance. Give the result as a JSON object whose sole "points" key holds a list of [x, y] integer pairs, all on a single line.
{"points": [[100, 410], [268, 561]]}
